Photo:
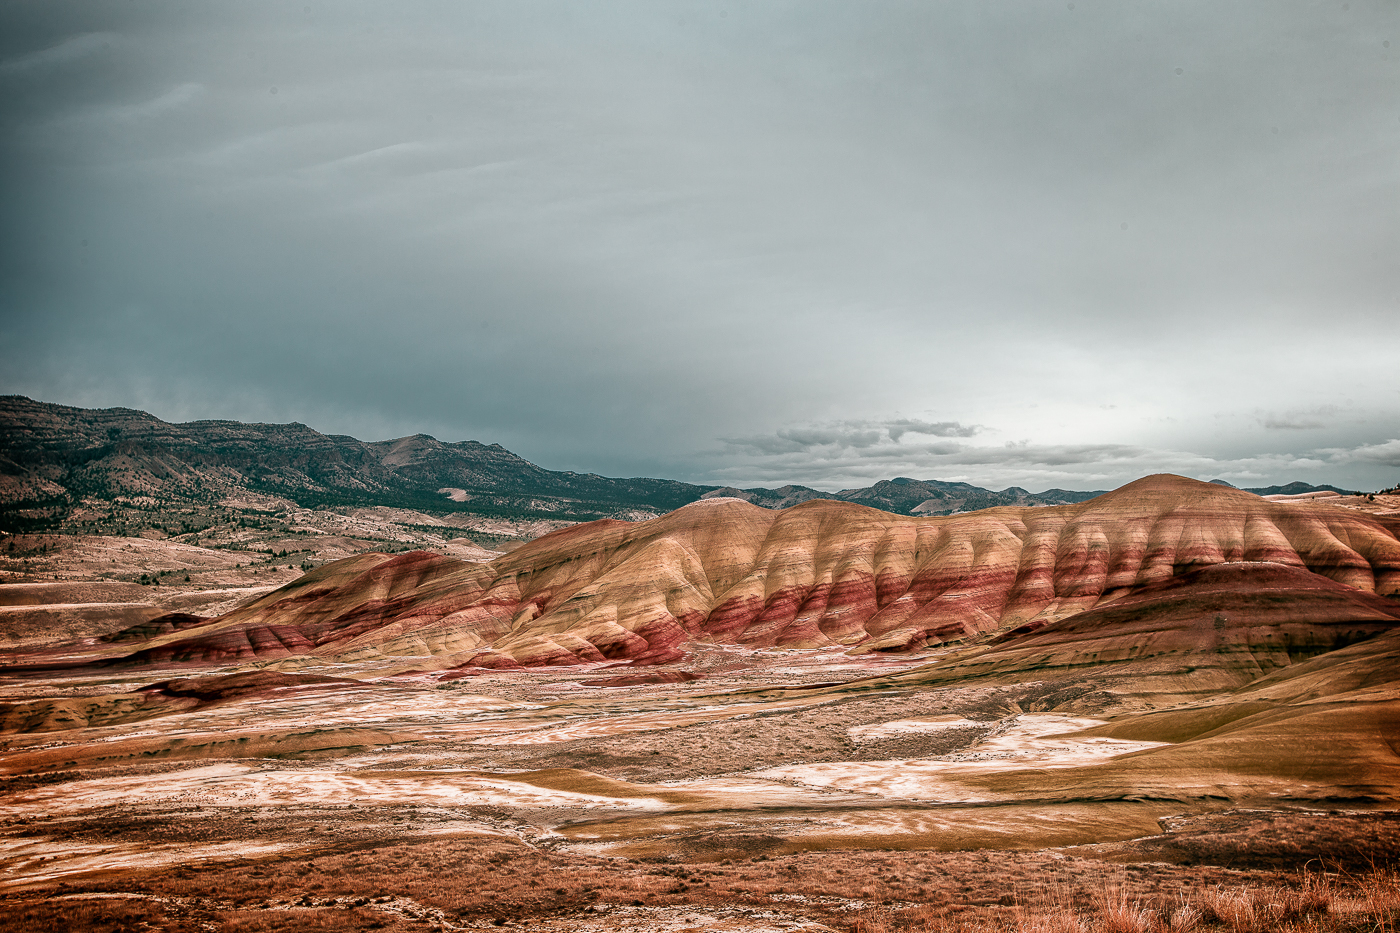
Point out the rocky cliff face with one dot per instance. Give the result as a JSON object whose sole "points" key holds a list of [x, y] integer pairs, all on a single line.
{"points": [[828, 573]]}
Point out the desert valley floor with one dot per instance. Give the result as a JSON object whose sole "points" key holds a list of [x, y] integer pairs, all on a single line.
{"points": [[1179, 711]]}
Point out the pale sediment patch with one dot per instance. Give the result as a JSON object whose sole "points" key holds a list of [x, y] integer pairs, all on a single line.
{"points": [[241, 785], [1047, 740], [1000, 827], [1031, 741], [951, 828], [920, 726], [616, 918], [916, 779], [612, 725], [370, 707], [740, 793], [324, 706], [37, 860], [635, 722]]}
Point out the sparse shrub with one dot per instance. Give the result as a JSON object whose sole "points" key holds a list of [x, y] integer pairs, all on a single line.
{"points": [[1185, 918], [1051, 920], [104, 916], [1233, 907], [1053, 911], [1118, 914], [1311, 898], [871, 925], [1380, 899]]}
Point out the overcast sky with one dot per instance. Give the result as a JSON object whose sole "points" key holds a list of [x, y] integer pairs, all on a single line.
{"points": [[1034, 243]]}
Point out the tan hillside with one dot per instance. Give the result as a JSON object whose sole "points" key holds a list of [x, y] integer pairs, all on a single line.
{"points": [[828, 573]]}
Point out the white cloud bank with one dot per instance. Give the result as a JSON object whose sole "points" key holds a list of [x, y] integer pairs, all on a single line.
{"points": [[851, 455]]}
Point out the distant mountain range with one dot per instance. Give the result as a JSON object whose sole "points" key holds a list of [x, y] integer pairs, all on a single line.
{"points": [[905, 496], [52, 457], [1292, 489]]}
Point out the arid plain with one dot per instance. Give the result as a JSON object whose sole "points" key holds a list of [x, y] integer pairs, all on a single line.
{"points": [[1175, 706]]}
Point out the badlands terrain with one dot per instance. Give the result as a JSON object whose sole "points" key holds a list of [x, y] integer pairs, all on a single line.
{"points": [[1171, 706]]}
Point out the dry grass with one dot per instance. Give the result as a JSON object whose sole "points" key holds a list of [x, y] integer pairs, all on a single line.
{"points": [[114, 915], [1313, 903], [455, 882], [1120, 913], [309, 920], [1183, 918], [1053, 913], [1378, 900]]}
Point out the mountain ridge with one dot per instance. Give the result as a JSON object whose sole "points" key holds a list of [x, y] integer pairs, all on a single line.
{"points": [[53, 457]]}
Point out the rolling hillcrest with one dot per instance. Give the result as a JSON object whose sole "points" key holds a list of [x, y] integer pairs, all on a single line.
{"points": [[828, 574]]}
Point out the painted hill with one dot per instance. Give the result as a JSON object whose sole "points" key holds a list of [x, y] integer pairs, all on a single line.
{"points": [[1145, 572]]}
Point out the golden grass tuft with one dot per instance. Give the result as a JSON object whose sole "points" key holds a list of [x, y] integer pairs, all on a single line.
{"points": [[1184, 918], [1235, 907], [1118, 913], [1379, 895], [461, 882], [1316, 903]]}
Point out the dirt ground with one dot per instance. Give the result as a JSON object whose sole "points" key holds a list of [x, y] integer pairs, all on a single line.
{"points": [[766, 790], [526, 800]]}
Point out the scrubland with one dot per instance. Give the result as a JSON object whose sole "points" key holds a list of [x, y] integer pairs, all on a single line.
{"points": [[481, 882]]}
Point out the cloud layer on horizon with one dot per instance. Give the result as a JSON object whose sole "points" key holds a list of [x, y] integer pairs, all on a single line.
{"points": [[842, 457]]}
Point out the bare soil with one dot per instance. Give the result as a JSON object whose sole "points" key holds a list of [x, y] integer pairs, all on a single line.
{"points": [[765, 790]]}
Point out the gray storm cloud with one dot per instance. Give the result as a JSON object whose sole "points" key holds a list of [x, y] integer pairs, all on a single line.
{"points": [[807, 242], [903, 426]]}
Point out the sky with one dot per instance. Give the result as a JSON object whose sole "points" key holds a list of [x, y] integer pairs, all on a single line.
{"points": [[1045, 244]]}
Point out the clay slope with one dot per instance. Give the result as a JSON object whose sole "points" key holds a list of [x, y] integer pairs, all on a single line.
{"points": [[820, 574], [1206, 630], [51, 714], [1322, 728]]}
